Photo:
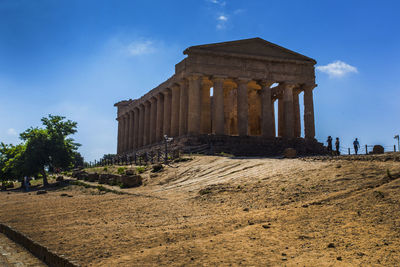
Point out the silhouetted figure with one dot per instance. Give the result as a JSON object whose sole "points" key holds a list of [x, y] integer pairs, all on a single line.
{"points": [[356, 145], [337, 145], [329, 140]]}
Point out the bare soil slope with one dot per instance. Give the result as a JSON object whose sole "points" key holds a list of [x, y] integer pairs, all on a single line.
{"points": [[222, 211]]}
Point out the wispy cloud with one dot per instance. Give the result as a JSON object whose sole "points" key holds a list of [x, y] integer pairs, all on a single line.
{"points": [[221, 22], [140, 47], [217, 2], [12, 132], [337, 69], [238, 11]]}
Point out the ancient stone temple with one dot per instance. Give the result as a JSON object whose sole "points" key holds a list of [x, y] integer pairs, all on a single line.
{"points": [[222, 97]]}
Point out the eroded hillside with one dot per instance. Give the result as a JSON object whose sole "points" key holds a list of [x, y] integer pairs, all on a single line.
{"points": [[221, 211]]}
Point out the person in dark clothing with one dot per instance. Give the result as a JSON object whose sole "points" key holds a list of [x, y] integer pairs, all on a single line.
{"points": [[337, 145], [329, 141], [356, 145]]}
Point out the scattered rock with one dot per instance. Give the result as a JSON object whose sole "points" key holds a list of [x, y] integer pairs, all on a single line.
{"points": [[339, 258], [246, 209], [131, 181], [378, 149], [130, 172], [290, 153], [379, 194], [305, 206], [331, 245], [41, 192], [64, 195], [266, 226], [284, 254]]}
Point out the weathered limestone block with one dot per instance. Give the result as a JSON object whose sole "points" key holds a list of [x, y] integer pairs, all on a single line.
{"points": [[290, 153], [92, 177], [131, 181]]}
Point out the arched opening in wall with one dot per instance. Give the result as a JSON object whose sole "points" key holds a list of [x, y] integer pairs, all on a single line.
{"points": [[301, 103]]}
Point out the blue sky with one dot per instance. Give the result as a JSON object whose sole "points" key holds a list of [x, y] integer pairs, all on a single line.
{"points": [[78, 57]]}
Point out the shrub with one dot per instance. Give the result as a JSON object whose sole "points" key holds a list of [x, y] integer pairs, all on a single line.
{"points": [[141, 169], [389, 175], [121, 170], [157, 168], [105, 169]]}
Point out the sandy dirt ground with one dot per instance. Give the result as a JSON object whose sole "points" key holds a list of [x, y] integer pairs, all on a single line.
{"points": [[225, 211], [13, 255]]}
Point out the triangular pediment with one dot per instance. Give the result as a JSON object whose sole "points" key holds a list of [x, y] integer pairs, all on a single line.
{"points": [[251, 47]]}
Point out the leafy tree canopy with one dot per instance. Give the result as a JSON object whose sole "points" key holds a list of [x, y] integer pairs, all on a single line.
{"points": [[44, 148]]}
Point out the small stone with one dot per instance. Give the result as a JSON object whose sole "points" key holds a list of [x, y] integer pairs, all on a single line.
{"points": [[250, 223], [339, 258], [41, 192], [284, 254], [266, 226], [246, 209], [305, 206], [284, 259], [331, 245]]}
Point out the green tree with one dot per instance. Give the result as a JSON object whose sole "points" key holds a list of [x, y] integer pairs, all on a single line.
{"points": [[49, 147], [12, 162]]}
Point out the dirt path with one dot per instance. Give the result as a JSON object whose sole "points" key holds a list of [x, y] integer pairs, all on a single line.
{"points": [[12, 254]]}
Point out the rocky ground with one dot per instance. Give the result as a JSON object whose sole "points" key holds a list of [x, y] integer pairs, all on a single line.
{"points": [[213, 210]]}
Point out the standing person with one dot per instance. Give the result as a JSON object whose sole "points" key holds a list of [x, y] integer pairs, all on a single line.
{"points": [[329, 140], [356, 145], [337, 145]]}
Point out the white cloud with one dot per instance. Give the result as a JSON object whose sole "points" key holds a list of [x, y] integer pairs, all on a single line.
{"points": [[140, 47], [337, 69], [238, 11], [222, 20], [217, 2], [12, 132]]}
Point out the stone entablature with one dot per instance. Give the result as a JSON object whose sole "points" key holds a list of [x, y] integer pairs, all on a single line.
{"points": [[241, 74]]}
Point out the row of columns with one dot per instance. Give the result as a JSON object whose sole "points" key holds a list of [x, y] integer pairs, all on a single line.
{"points": [[185, 108]]}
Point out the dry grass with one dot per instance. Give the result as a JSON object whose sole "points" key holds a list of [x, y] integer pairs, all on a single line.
{"points": [[221, 211]]}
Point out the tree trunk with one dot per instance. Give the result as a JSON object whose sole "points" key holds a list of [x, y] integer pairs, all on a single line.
{"points": [[45, 182]]}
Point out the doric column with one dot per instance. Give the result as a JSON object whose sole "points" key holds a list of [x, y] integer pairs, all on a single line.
{"points": [[218, 105], [160, 117], [267, 111], [126, 132], [288, 107], [194, 107], [167, 112], [242, 107], [136, 128], [119, 145], [141, 125], [131, 121], [175, 110], [153, 120], [281, 117], [205, 106], [309, 126], [146, 135], [183, 108], [296, 110]]}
